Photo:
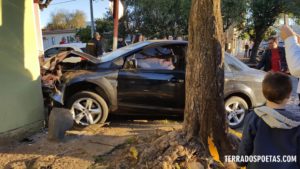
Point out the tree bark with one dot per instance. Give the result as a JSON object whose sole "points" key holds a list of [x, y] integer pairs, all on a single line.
{"points": [[254, 50], [204, 114], [259, 33]]}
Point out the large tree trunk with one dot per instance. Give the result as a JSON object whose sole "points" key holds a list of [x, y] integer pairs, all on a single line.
{"points": [[259, 33], [254, 49], [204, 107]]}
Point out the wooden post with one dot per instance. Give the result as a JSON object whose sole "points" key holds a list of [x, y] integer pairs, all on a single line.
{"points": [[116, 23], [286, 19], [92, 19]]}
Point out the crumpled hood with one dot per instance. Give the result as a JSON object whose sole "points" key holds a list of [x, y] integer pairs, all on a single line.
{"points": [[274, 119], [52, 62]]}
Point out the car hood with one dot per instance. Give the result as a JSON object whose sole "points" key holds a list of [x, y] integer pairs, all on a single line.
{"points": [[251, 75], [52, 62]]}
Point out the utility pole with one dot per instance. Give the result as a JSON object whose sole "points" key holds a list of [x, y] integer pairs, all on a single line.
{"points": [[116, 23], [92, 18]]}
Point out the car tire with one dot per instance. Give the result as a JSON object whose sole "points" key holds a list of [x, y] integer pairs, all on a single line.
{"points": [[236, 109], [88, 108]]}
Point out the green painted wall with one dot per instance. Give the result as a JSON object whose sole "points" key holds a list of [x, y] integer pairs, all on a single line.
{"points": [[21, 102]]}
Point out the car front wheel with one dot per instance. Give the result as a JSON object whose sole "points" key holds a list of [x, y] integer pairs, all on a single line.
{"points": [[235, 108], [88, 108]]}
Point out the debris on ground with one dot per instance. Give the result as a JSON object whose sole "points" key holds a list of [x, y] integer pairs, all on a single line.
{"points": [[81, 146]]}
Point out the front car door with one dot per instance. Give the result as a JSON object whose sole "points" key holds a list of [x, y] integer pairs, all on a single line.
{"points": [[153, 79]]}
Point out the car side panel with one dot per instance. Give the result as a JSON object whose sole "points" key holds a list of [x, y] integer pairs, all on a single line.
{"points": [[248, 85]]}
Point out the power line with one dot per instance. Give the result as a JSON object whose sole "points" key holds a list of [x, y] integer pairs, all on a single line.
{"points": [[62, 2]]}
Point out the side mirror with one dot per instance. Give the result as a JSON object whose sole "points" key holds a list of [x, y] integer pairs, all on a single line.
{"points": [[131, 63]]}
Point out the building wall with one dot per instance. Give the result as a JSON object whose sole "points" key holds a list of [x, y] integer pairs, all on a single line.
{"points": [[231, 40], [54, 39], [21, 99], [38, 28]]}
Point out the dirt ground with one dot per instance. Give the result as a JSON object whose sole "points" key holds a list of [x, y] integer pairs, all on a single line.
{"points": [[80, 149], [83, 147]]}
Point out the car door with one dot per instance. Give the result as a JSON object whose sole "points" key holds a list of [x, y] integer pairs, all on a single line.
{"points": [[153, 79]]}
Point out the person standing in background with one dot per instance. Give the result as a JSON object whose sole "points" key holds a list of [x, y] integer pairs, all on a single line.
{"points": [[121, 43], [246, 50], [95, 46], [250, 48], [77, 39], [274, 58], [63, 40]]}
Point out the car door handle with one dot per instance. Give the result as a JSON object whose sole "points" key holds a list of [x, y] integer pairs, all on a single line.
{"points": [[175, 80]]}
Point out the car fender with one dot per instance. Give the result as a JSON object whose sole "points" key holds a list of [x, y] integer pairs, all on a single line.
{"points": [[106, 84], [109, 87], [240, 88]]}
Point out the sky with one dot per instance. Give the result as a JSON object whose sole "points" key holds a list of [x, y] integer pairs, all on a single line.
{"points": [[99, 7]]}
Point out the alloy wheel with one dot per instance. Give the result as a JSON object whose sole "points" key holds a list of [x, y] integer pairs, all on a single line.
{"points": [[86, 111], [235, 113]]}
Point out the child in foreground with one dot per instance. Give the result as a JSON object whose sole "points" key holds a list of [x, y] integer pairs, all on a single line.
{"points": [[271, 130]]}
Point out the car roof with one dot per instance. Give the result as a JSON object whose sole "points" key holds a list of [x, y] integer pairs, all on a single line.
{"points": [[136, 46], [167, 42]]}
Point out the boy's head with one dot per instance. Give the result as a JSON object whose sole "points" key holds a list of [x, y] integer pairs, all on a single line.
{"points": [[277, 87]]}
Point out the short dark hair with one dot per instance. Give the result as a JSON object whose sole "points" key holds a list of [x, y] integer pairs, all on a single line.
{"points": [[274, 38], [276, 87]]}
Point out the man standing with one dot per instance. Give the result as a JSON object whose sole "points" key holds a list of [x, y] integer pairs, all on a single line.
{"points": [[95, 47], [246, 50], [77, 39], [274, 58], [121, 43]]}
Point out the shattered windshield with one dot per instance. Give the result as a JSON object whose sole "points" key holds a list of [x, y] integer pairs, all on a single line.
{"points": [[112, 55]]}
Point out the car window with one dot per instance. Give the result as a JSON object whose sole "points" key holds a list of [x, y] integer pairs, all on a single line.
{"points": [[83, 49], [51, 52], [179, 55], [63, 49], [117, 63], [155, 58], [121, 51]]}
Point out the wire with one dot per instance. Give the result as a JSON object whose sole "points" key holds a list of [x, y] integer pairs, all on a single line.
{"points": [[62, 2]]}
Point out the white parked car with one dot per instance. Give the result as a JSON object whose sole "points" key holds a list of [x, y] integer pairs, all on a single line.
{"points": [[53, 50]]}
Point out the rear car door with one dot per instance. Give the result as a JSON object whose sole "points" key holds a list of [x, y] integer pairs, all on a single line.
{"points": [[154, 81]]}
